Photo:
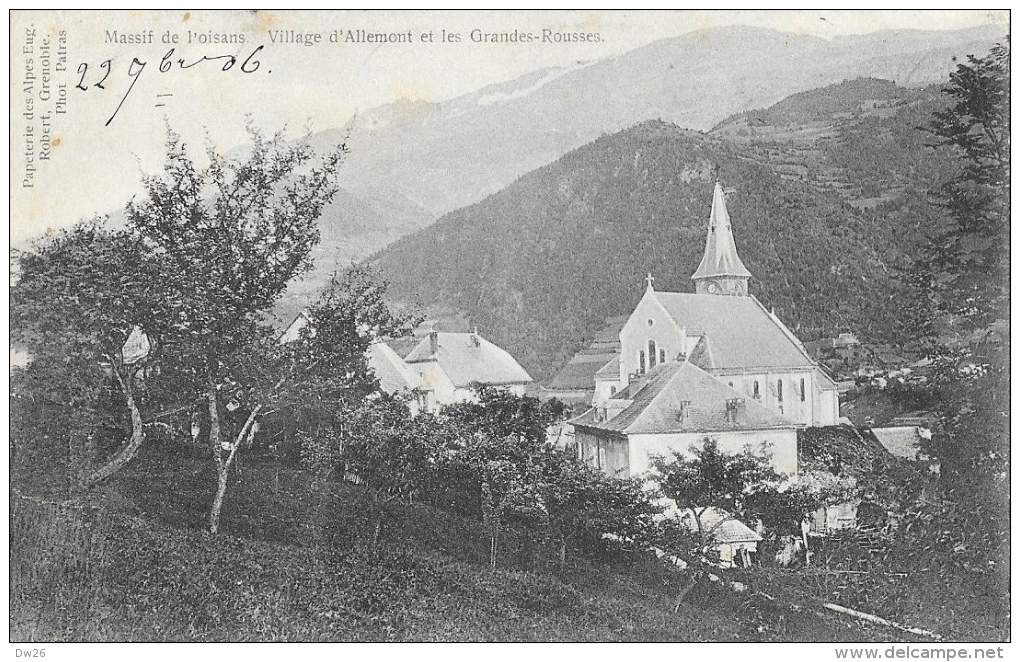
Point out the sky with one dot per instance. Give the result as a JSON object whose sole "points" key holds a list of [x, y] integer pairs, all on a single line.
{"points": [[83, 153]]}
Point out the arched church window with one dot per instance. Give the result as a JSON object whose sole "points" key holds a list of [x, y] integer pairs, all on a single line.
{"points": [[757, 391], [641, 361], [803, 392], [779, 390], [662, 355], [651, 354]]}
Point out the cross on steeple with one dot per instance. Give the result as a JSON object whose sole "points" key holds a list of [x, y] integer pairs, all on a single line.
{"points": [[649, 279]]}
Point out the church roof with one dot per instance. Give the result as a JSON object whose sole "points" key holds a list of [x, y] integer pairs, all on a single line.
{"points": [[701, 355], [468, 360], [655, 403], [393, 373], [720, 257], [741, 333]]}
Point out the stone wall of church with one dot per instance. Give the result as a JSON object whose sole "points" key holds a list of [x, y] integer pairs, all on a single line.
{"points": [[649, 328], [827, 406], [794, 395]]}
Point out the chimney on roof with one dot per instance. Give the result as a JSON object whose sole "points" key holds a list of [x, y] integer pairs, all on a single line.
{"points": [[430, 329], [637, 381], [736, 410]]}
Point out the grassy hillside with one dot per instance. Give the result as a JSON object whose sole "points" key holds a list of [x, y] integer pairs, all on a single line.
{"points": [[864, 139], [293, 566], [538, 265]]}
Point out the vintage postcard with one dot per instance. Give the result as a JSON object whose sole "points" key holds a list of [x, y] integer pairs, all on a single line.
{"points": [[554, 326]]}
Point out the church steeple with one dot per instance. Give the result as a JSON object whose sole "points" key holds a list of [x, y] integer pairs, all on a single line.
{"points": [[720, 271]]}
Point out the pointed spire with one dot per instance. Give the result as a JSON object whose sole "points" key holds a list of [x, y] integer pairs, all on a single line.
{"points": [[720, 260]]}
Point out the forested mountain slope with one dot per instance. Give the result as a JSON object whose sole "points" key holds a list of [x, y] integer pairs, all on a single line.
{"points": [[540, 264]]}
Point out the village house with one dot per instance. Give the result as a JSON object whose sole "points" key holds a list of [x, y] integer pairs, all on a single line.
{"points": [[454, 366], [713, 363], [671, 408], [732, 540], [442, 369], [394, 375]]}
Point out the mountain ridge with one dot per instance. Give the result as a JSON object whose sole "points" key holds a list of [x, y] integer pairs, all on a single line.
{"points": [[539, 265]]}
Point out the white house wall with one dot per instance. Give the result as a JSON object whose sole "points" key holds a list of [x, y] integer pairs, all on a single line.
{"points": [[437, 381], [605, 389], [605, 453], [782, 444], [827, 404]]}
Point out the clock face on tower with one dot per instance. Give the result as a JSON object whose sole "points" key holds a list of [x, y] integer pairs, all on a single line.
{"points": [[713, 288]]}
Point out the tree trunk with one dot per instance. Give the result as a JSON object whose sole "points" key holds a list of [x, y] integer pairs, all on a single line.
{"points": [[217, 450], [701, 528], [223, 464], [684, 591], [563, 550], [493, 547], [222, 473], [127, 452]]}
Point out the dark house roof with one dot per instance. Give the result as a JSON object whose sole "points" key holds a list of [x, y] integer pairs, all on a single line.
{"points": [[653, 405], [841, 450], [901, 441], [579, 373]]}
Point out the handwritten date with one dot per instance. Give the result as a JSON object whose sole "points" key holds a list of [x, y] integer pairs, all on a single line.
{"points": [[227, 62]]}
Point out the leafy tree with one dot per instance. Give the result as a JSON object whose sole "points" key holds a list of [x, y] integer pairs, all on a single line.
{"points": [[507, 473], [500, 414], [969, 256], [587, 509], [330, 357], [968, 280], [77, 297], [380, 445], [203, 258], [230, 235], [497, 451], [745, 486], [782, 510], [711, 478]]}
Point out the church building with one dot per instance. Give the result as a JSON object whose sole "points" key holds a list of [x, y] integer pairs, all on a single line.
{"points": [[713, 363]]}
